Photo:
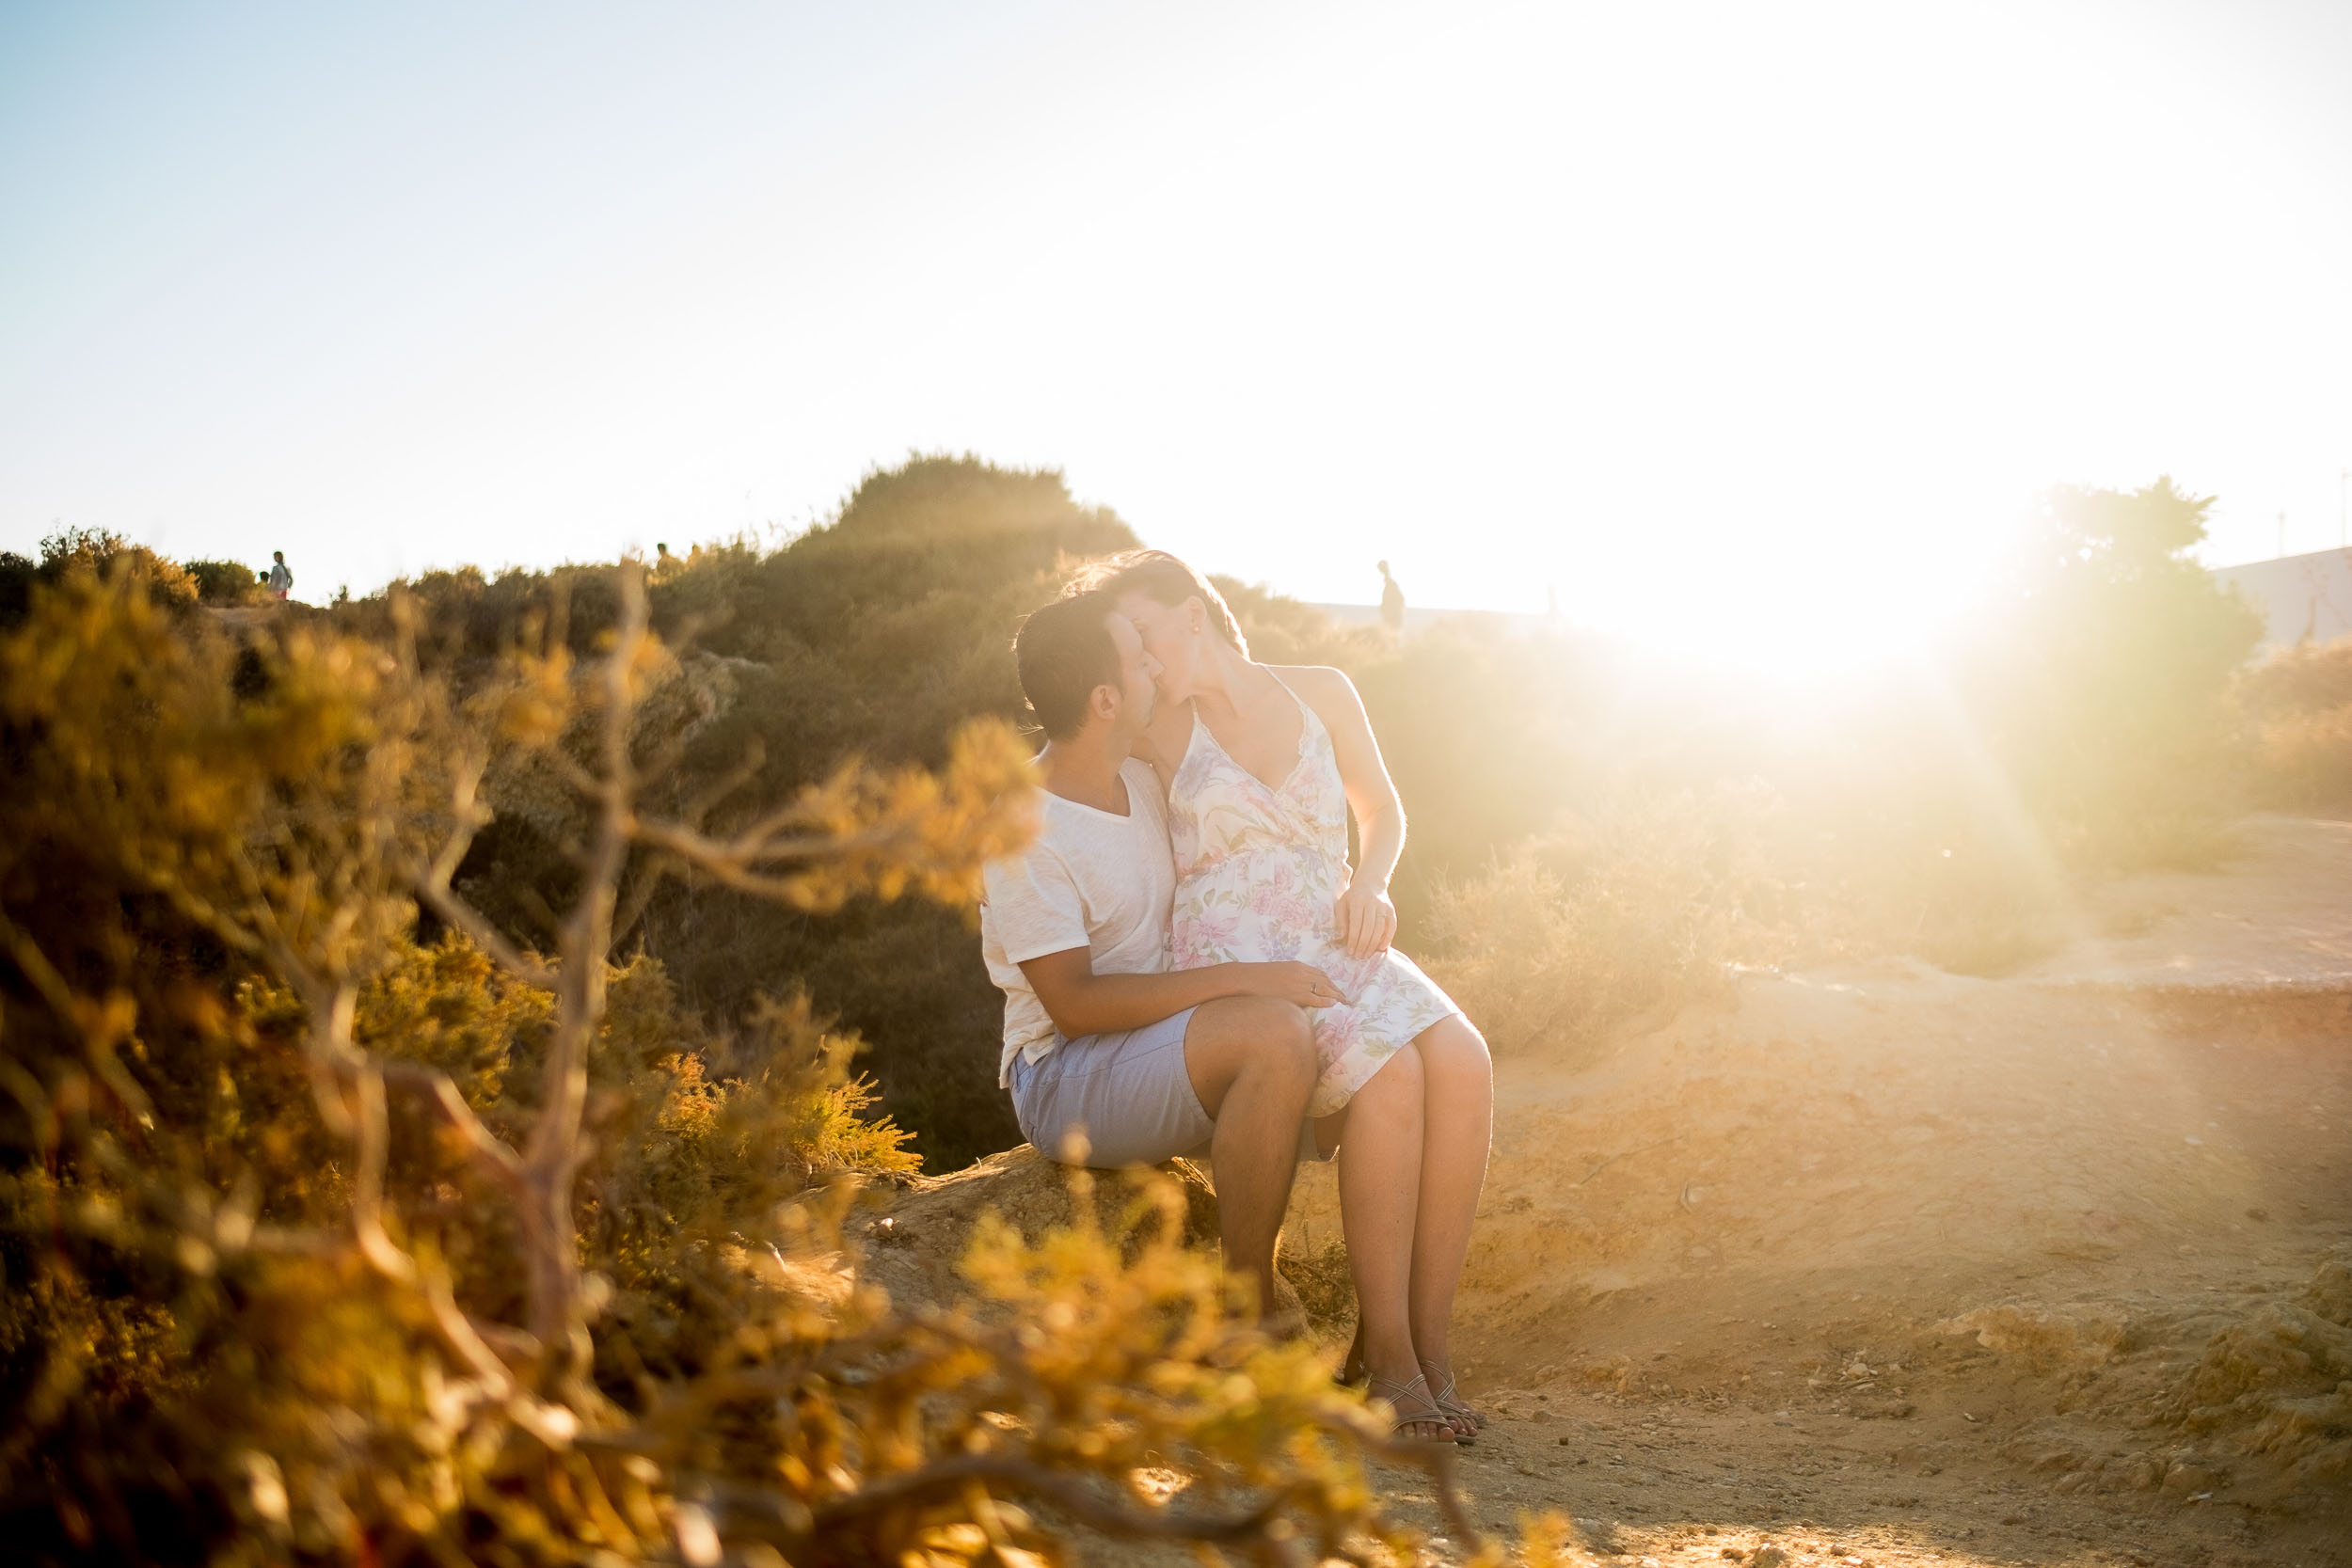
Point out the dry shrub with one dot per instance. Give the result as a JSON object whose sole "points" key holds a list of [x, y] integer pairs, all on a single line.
{"points": [[2299, 702], [1632, 911], [325, 1244], [1323, 1281]]}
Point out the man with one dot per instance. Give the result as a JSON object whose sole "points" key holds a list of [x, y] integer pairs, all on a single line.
{"points": [[280, 580], [1112, 1058]]}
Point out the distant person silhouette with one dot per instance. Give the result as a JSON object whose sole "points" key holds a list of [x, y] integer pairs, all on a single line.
{"points": [[280, 580], [1391, 600], [663, 562]]}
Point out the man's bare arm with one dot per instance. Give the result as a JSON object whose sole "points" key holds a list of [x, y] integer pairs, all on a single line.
{"points": [[1081, 1002]]}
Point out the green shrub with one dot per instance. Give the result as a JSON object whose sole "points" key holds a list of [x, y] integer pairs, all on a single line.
{"points": [[226, 582]]}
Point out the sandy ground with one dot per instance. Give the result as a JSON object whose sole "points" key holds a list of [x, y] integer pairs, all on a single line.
{"points": [[2279, 914], [1891, 1266]]}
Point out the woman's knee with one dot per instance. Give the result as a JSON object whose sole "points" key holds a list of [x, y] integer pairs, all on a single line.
{"points": [[1454, 1047]]}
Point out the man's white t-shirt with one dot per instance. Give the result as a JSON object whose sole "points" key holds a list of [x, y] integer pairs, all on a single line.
{"points": [[1089, 880]]}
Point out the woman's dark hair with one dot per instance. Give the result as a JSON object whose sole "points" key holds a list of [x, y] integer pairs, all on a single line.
{"points": [[1063, 651], [1162, 576]]}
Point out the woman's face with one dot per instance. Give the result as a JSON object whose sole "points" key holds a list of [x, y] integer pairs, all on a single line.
{"points": [[1170, 636]]}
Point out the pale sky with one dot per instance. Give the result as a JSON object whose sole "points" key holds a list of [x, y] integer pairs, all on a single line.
{"points": [[1714, 319]]}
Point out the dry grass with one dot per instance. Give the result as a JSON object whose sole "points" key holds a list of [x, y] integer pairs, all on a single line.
{"points": [[1635, 909], [2300, 704]]}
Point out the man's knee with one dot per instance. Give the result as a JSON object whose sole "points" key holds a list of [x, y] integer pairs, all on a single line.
{"points": [[1258, 1039], [1290, 1039]]}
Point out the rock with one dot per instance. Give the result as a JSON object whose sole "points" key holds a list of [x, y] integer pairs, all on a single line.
{"points": [[2183, 1479], [2046, 1339], [1769, 1556]]}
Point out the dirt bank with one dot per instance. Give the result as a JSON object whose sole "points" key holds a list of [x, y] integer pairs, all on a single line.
{"points": [[1893, 1265]]}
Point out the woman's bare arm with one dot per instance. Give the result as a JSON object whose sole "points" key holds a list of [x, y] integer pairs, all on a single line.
{"points": [[1366, 917]]}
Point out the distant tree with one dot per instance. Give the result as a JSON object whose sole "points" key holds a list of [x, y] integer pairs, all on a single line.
{"points": [[2103, 679]]}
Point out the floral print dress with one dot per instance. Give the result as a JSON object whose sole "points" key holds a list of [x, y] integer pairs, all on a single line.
{"points": [[1259, 869]]}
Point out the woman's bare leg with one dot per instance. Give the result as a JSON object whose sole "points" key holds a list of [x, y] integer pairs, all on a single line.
{"points": [[1380, 1192], [1457, 1126]]}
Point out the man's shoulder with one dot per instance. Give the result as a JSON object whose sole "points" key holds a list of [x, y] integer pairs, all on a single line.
{"points": [[1048, 845], [1059, 847]]}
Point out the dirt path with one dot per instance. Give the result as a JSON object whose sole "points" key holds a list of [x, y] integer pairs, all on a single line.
{"points": [[2277, 914], [1928, 1270], [1897, 1266]]}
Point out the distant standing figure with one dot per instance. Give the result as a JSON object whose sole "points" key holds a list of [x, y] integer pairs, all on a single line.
{"points": [[280, 580], [1391, 600]]}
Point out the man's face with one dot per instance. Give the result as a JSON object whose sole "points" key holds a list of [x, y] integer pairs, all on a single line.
{"points": [[1137, 672]]}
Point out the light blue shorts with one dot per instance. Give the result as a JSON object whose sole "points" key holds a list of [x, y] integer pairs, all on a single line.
{"points": [[1127, 1092]]}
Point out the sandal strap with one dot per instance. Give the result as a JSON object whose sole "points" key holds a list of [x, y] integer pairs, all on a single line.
{"points": [[1412, 1409], [1443, 1398]]}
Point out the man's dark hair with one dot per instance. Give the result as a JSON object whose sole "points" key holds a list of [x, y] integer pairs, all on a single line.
{"points": [[1064, 651]]}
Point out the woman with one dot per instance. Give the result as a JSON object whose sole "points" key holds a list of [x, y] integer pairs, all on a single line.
{"points": [[1263, 764]]}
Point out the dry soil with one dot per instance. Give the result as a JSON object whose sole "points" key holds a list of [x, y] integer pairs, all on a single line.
{"points": [[1890, 1266]]}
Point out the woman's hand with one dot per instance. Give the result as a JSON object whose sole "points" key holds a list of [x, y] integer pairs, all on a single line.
{"points": [[1301, 984], [1365, 919]]}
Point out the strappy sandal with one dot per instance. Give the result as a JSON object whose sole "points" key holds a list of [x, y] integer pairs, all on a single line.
{"points": [[1413, 1407], [1467, 1424]]}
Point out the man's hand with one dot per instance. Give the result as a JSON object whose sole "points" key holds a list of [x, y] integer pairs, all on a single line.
{"points": [[1365, 919], [1300, 984]]}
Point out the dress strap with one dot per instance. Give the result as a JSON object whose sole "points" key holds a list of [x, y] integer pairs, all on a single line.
{"points": [[1313, 719]]}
